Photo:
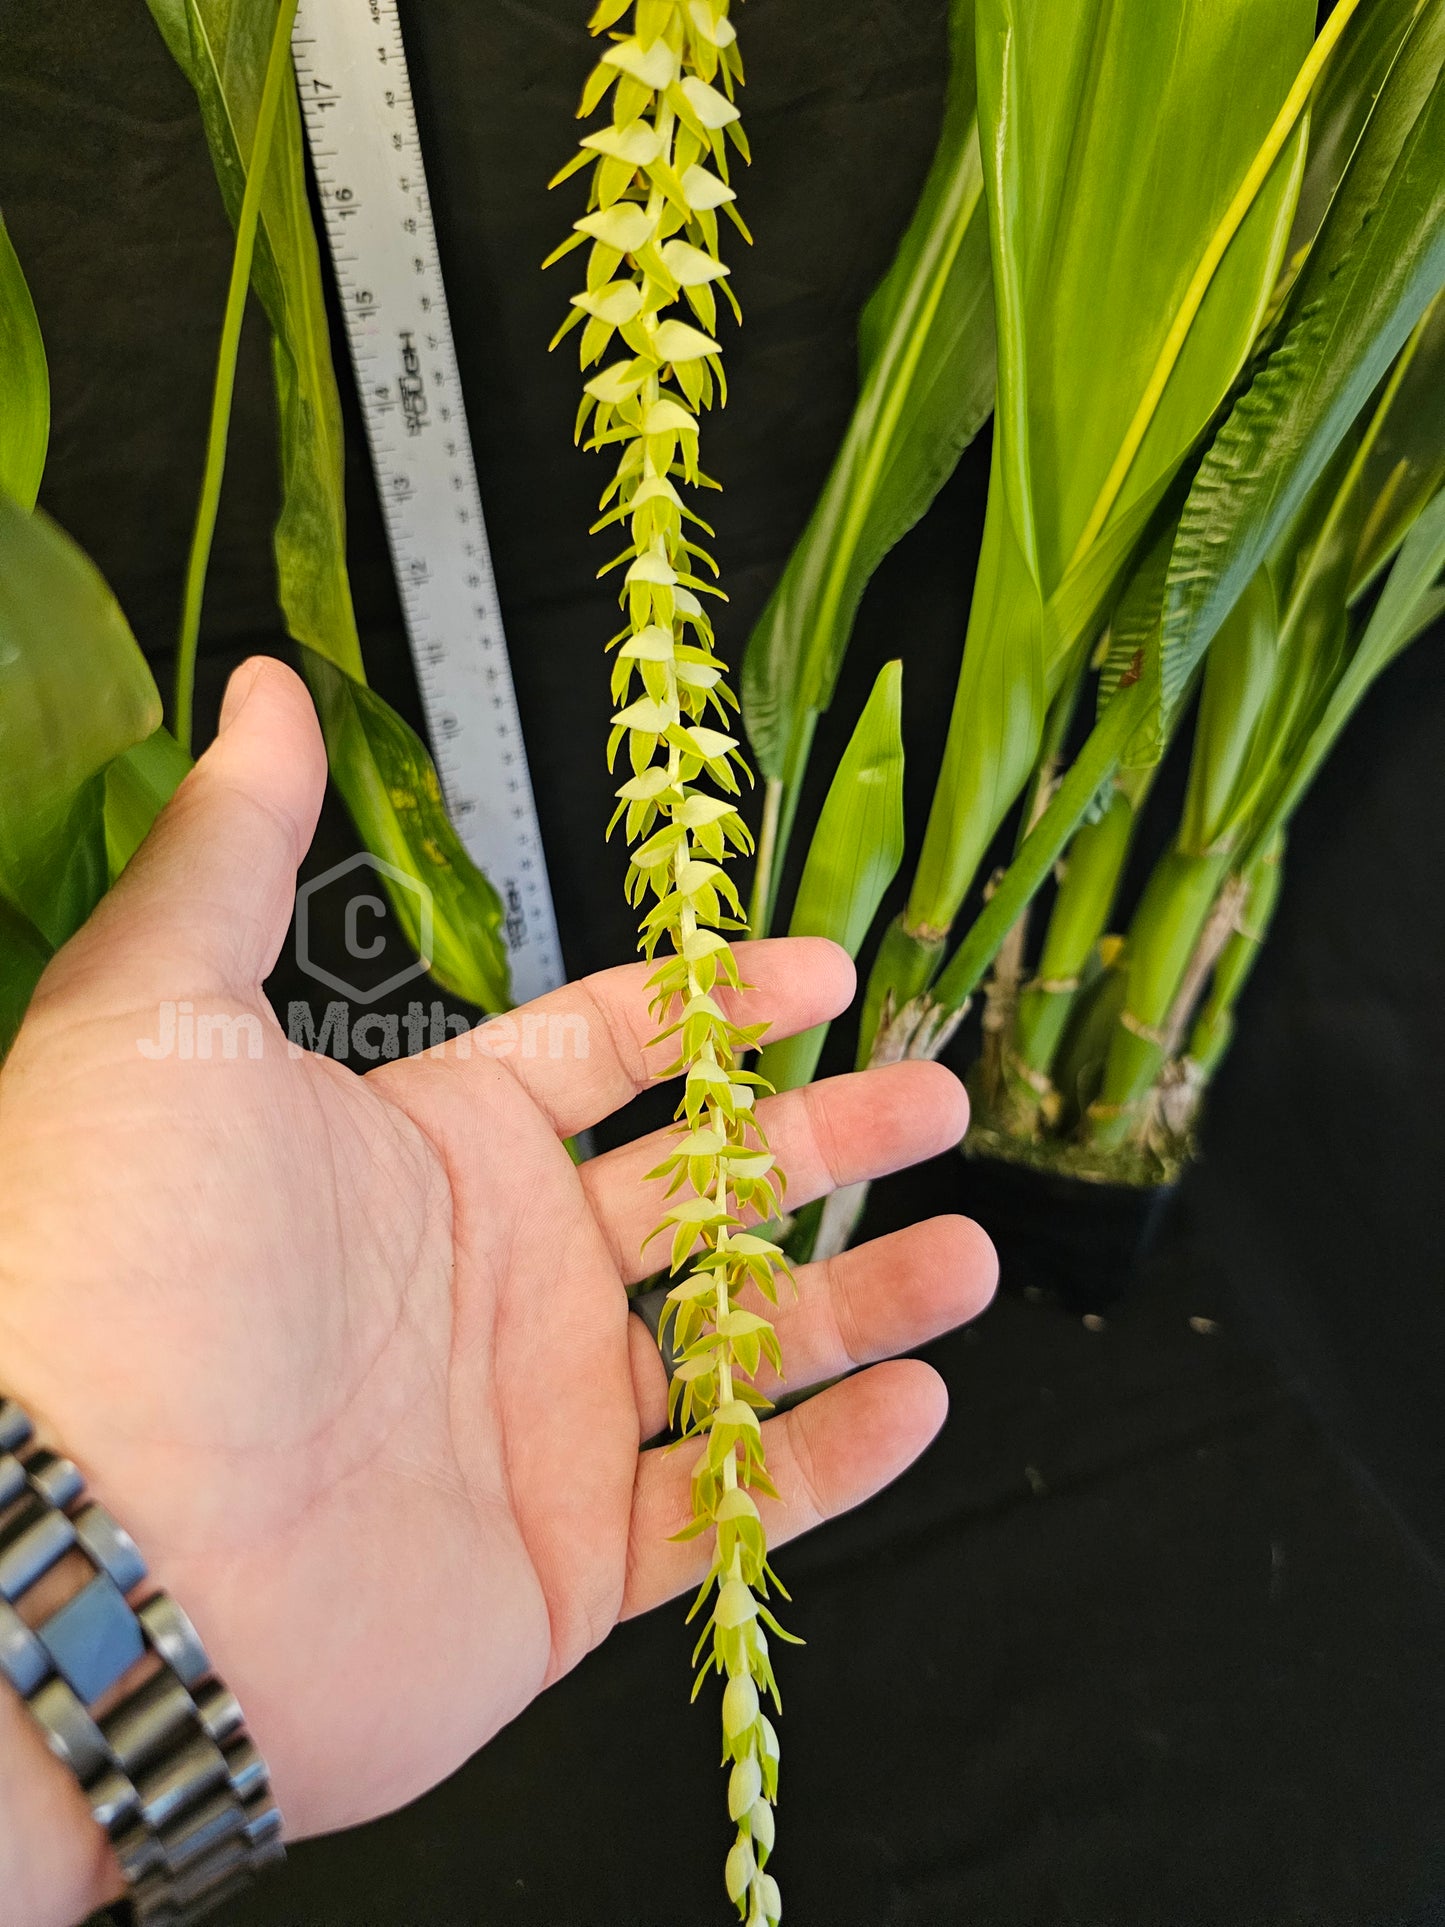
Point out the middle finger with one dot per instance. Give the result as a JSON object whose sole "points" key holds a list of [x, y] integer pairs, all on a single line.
{"points": [[842, 1131]]}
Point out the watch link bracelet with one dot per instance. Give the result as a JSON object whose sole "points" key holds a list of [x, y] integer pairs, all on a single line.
{"points": [[126, 1698]]}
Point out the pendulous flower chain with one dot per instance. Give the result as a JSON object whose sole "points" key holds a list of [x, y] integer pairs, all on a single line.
{"points": [[659, 179]]}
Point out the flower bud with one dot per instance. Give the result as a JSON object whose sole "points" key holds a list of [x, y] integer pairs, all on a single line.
{"points": [[763, 1828], [740, 1706], [772, 1900], [735, 1605], [738, 1874], [745, 1783]]}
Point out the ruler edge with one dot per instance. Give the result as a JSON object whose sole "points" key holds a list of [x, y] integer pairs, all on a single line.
{"points": [[545, 946]]}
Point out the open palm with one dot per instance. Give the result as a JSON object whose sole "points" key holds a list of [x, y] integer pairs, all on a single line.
{"points": [[351, 1355]]}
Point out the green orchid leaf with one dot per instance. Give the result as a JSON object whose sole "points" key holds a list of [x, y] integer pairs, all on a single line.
{"points": [[277, 85], [1285, 643], [24, 953], [75, 693], [1410, 603], [1428, 611], [1041, 849], [1376, 268], [383, 772], [926, 387], [74, 687], [1239, 675], [1405, 465], [1342, 106], [1132, 642], [1088, 880], [1394, 122], [1117, 142], [396, 801], [24, 384], [1194, 897], [222, 46], [854, 856], [1386, 471], [1118, 138], [1281, 678], [138, 785], [994, 733]]}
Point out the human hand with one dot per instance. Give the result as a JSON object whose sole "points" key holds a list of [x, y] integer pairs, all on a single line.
{"points": [[351, 1357]]}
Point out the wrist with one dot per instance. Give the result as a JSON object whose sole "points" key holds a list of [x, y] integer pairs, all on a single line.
{"points": [[56, 1865], [179, 1809]]}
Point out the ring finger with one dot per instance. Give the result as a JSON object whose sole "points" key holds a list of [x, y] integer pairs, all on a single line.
{"points": [[841, 1131]]}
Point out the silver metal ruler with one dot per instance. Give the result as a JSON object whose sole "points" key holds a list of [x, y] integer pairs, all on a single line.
{"points": [[361, 128]]}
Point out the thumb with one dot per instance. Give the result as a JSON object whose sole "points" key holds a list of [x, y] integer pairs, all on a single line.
{"points": [[206, 901]]}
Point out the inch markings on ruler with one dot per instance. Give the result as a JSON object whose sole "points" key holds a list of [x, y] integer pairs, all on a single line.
{"points": [[361, 128]]}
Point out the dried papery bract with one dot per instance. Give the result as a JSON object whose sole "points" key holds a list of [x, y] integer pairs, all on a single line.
{"points": [[659, 180]]}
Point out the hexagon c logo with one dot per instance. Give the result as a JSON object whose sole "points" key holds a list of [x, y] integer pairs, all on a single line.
{"points": [[363, 918]]}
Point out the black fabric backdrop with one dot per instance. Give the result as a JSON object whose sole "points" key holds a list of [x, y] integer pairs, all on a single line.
{"points": [[1153, 1634]]}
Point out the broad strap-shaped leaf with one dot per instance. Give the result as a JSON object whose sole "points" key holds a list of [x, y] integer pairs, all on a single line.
{"points": [[74, 688], [396, 801], [1375, 269], [856, 849], [1342, 106], [379, 765], [996, 726], [75, 693], [956, 164], [1115, 140], [926, 387], [1412, 78], [1389, 465], [24, 384]]}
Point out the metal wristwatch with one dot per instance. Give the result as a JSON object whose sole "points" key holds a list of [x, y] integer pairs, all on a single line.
{"points": [[125, 1695]]}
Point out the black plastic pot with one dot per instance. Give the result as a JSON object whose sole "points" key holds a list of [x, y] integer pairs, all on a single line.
{"points": [[1082, 1241]]}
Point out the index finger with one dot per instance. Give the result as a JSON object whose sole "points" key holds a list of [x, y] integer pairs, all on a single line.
{"points": [[585, 1050]]}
